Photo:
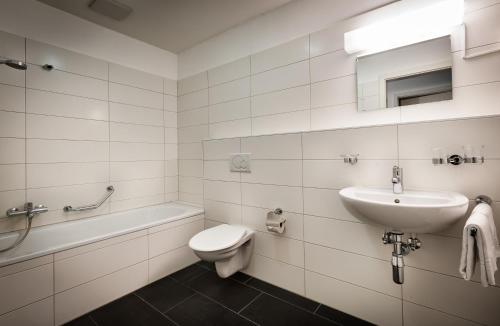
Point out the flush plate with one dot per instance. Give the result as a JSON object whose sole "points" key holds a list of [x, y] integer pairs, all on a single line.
{"points": [[240, 162]]}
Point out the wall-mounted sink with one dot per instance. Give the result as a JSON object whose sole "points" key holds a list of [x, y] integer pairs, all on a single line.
{"points": [[410, 211]]}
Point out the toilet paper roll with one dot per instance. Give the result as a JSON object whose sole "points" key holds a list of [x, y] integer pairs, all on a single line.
{"points": [[275, 223]]}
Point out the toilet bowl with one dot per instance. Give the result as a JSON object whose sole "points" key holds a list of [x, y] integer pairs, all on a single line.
{"points": [[229, 246]]}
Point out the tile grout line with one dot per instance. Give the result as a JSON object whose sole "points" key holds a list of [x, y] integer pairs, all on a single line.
{"points": [[251, 301], [154, 308]]}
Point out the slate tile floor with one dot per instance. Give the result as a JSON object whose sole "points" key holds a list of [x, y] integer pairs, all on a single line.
{"points": [[196, 296]]}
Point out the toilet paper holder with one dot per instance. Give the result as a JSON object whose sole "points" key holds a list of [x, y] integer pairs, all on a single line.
{"points": [[275, 221]]}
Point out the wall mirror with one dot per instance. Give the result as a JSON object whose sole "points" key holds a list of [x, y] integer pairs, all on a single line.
{"points": [[414, 74]]}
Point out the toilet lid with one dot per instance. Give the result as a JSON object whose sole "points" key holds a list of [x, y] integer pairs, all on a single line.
{"points": [[217, 238]]}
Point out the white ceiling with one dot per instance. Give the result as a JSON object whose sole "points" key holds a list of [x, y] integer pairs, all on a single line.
{"points": [[173, 25]]}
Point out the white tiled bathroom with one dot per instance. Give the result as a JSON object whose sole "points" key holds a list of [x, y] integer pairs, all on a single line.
{"points": [[119, 150]]}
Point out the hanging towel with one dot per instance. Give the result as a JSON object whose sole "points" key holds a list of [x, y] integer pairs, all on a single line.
{"points": [[482, 249]]}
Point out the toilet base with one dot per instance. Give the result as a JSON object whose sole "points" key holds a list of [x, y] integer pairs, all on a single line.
{"points": [[229, 266]]}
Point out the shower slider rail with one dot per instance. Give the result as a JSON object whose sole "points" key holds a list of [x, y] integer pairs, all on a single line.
{"points": [[69, 208]]}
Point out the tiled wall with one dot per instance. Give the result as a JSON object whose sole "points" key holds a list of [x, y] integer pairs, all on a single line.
{"points": [[309, 84], [66, 134], [331, 256]]}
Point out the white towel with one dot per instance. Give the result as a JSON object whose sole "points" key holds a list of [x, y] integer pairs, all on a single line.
{"points": [[483, 248]]}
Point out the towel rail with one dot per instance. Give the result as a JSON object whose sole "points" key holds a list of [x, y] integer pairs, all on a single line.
{"points": [[481, 199], [69, 208]]}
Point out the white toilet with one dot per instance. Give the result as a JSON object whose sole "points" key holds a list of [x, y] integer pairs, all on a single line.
{"points": [[229, 246]]}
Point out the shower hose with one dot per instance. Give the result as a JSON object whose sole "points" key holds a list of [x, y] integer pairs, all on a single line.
{"points": [[21, 238]]}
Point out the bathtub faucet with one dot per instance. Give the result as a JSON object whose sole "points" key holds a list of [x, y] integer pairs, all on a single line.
{"points": [[29, 210]]}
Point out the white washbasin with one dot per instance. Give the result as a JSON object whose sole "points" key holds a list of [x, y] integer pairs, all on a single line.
{"points": [[411, 211]]}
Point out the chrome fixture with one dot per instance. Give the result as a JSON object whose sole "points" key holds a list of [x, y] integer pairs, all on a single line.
{"points": [[69, 208], [400, 250], [481, 199], [397, 179], [350, 158], [47, 67], [16, 64], [470, 155], [29, 211], [275, 221]]}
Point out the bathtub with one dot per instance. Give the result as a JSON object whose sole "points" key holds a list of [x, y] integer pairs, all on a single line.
{"points": [[63, 271], [49, 239]]}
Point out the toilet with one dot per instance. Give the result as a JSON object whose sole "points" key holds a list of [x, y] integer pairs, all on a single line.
{"points": [[229, 246]]}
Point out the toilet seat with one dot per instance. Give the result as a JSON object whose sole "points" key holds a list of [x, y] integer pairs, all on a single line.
{"points": [[218, 238]]}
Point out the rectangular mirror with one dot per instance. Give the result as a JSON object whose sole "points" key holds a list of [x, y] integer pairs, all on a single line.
{"points": [[414, 74]]}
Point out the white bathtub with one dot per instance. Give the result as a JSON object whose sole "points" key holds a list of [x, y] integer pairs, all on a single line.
{"points": [[49, 239]]}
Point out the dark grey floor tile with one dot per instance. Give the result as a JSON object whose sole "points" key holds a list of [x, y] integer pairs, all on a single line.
{"points": [[283, 294], [240, 277], [269, 311], [188, 273], [84, 320], [341, 317], [228, 292], [199, 310], [164, 294], [129, 310], [207, 265]]}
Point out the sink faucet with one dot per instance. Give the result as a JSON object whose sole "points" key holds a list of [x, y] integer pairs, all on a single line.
{"points": [[397, 179]]}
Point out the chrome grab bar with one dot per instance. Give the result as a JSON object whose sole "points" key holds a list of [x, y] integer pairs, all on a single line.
{"points": [[69, 208]]}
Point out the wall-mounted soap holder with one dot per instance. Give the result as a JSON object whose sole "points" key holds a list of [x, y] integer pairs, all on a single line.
{"points": [[350, 158], [469, 156]]}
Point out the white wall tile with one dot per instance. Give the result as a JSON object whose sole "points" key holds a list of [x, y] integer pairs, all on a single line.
{"points": [[193, 117], [255, 218], [170, 86], [220, 149], [192, 168], [193, 100], [230, 71], [452, 295], [138, 188], [191, 185], [11, 76], [167, 240], [229, 91], [415, 315], [47, 127], [281, 123], [482, 26], [12, 46], [284, 54], [136, 170], [16, 149], [281, 78], [337, 234], [369, 143], [171, 151], [135, 151], [327, 40], [172, 184], [15, 198], [222, 191], [191, 151], [292, 99], [282, 249], [193, 134], [333, 92], [135, 133], [222, 212], [48, 103], [12, 176], [277, 172], [26, 287], [326, 203], [170, 119], [280, 274], [273, 147], [135, 96], [193, 83], [171, 135], [53, 151], [132, 77], [232, 110], [59, 174], [483, 69], [12, 98], [133, 114], [12, 124], [170, 262], [40, 313], [366, 304], [219, 170], [234, 128], [170, 103], [68, 83], [86, 297], [62, 59], [332, 65], [352, 268], [335, 174], [270, 196]]}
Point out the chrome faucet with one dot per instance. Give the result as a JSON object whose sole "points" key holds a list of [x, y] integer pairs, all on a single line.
{"points": [[29, 210], [397, 179]]}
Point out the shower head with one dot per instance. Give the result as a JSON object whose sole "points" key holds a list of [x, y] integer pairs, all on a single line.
{"points": [[19, 65]]}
